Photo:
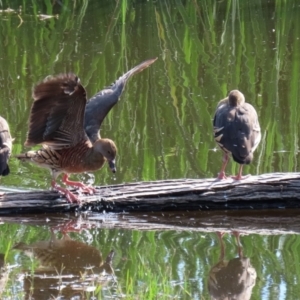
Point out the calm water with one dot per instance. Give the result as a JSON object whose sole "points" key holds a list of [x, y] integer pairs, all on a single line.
{"points": [[156, 256], [162, 127]]}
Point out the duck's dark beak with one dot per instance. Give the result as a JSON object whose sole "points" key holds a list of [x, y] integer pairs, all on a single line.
{"points": [[112, 165]]}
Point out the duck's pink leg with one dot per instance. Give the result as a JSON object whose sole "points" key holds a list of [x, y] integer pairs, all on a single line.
{"points": [[85, 188], [69, 195], [222, 175], [239, 175]]}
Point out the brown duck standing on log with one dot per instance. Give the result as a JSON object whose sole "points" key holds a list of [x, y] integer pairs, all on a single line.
{"points": [[236, 131], [57, 122], [5, 147]]}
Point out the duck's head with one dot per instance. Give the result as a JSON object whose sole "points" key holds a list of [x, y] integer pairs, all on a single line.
{"points": [[108, 149], [235, 98]]}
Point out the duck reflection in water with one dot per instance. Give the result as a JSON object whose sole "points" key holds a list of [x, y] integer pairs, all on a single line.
{"points": [[4, 274], [233, 279], [66, 267]]}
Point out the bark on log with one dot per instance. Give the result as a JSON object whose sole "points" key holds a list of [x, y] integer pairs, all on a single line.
{"points": [[274, 190]]}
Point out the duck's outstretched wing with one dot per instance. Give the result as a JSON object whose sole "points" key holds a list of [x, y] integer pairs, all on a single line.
{"points": [[100, 104], [57, 112]]}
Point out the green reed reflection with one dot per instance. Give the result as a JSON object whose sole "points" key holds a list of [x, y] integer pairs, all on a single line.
{"points": [[148, 263]]}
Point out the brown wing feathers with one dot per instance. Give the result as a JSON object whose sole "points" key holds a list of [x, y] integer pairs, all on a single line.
{"points": [[57, 112]]}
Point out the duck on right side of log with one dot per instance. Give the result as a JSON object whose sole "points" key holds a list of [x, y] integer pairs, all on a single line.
{"points": [[236, 131]]}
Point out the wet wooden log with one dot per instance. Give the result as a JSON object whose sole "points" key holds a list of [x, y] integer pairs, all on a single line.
{"points": [[274, 190]]}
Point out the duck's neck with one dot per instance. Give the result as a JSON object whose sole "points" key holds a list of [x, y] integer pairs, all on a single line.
{"points": [[94, 159]]}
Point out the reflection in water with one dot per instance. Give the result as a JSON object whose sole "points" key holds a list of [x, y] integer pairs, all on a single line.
{"points": [[5, 270], [66, 266], [1, 261], [3, 274], [233, 279]]}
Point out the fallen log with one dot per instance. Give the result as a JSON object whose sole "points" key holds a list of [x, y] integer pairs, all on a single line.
{"points": [[274, 190]]}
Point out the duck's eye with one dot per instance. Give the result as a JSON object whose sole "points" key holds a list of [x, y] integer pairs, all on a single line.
{"points": [[108, 151]]}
